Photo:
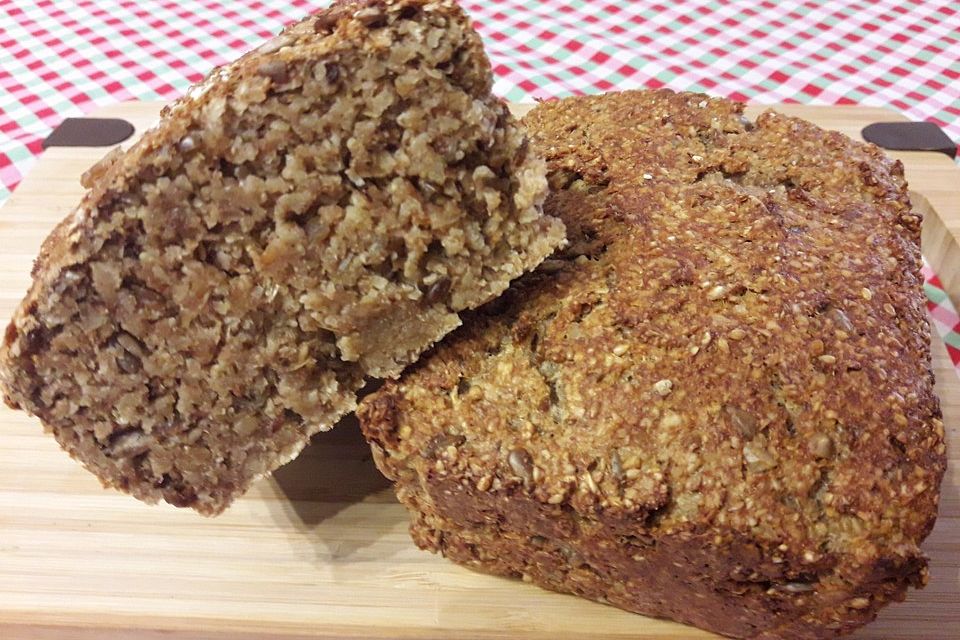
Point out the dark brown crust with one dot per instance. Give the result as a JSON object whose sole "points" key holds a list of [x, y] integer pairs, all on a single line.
{"points": [[717, 407]]}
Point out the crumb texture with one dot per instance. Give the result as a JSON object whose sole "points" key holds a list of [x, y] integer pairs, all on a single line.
{"points": [[316, 212], [719, 394]]}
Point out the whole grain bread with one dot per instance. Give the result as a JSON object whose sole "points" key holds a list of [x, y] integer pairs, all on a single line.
{"points": [[316, 212], [717, 406]]}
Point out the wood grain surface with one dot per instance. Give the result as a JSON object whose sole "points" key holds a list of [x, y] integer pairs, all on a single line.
{"points": [[321, 549]]}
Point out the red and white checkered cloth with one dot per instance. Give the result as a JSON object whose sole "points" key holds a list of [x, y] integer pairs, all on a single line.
{"points": [[61, 58]]}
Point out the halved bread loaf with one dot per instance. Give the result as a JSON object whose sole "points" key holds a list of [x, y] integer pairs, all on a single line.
{"points": [[716, 406], [314, 213]]}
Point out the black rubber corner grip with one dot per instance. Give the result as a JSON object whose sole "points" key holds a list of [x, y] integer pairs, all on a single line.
{"points": [[909, 136], [89, 132]]}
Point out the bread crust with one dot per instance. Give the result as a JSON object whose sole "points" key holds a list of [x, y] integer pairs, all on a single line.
{"points": [[717, 406]]}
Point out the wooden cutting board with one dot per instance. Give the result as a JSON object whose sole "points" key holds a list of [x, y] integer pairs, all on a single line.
{"points": [[321, 549]]}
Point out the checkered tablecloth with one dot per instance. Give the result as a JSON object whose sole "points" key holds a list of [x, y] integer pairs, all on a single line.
{"points": [[61, 58]]}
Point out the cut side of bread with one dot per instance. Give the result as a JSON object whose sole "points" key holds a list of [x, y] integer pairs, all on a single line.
{"points": [[716, 406], [317, 212]]}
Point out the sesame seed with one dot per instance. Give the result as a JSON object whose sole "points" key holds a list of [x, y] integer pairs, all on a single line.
{"points": [[590, 483], [717, 292], [663, 387], [484, 483], [821, 446], [670, 420]]}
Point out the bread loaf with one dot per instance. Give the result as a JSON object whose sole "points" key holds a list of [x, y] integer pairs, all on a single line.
{"points": [[716, 406], [316, 212]]}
